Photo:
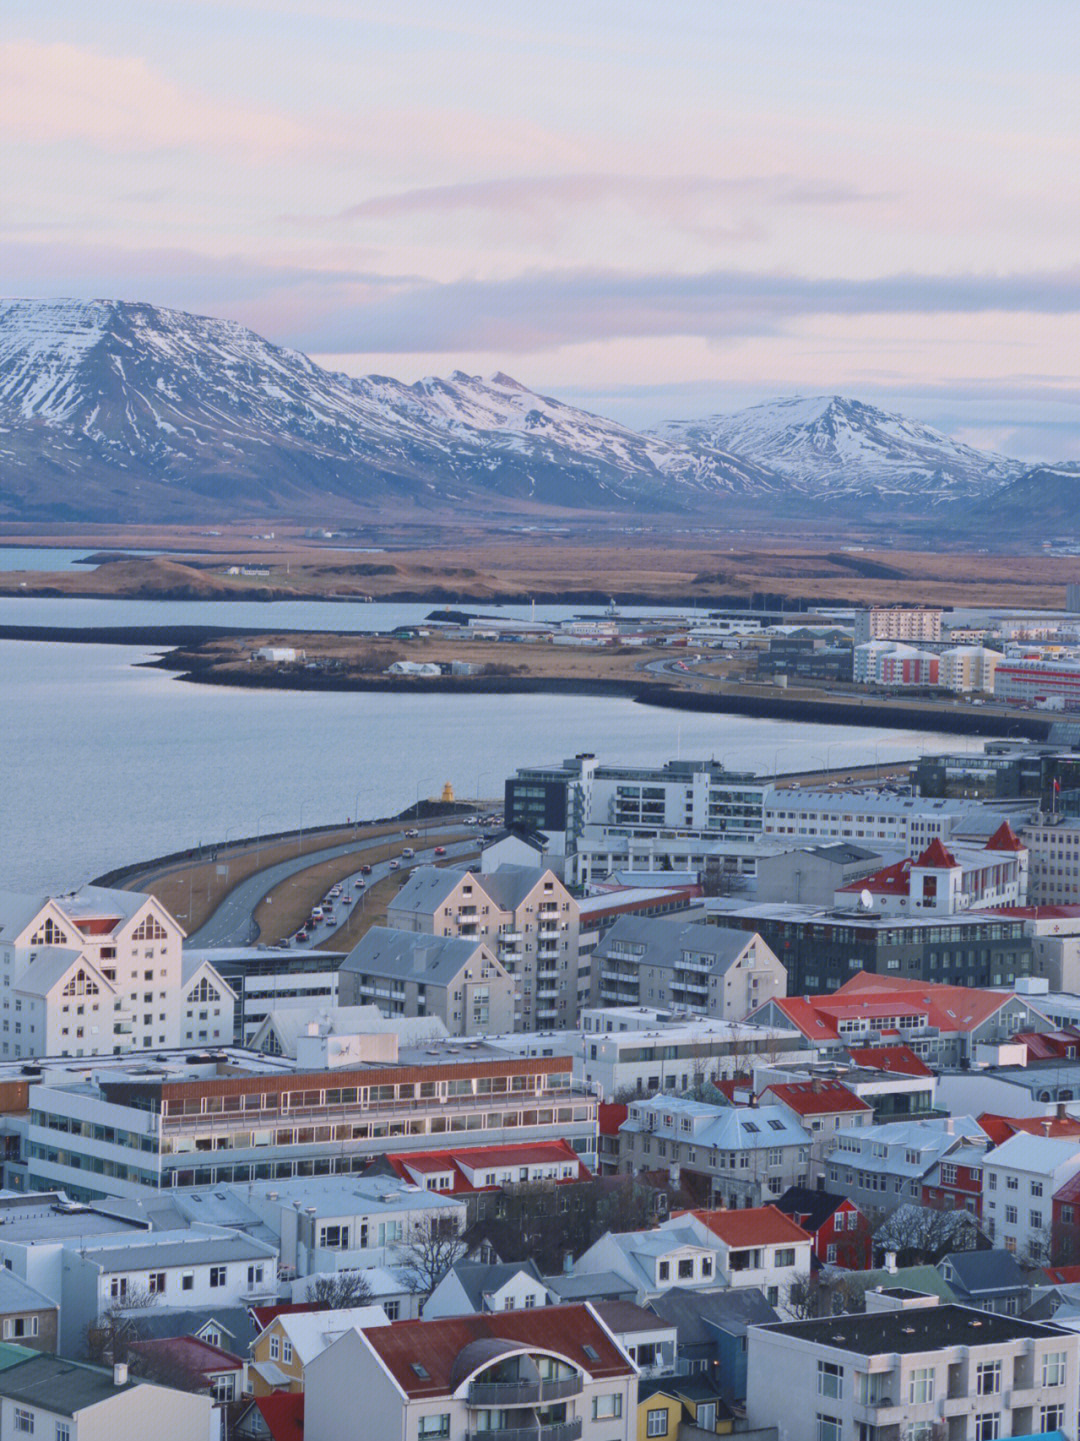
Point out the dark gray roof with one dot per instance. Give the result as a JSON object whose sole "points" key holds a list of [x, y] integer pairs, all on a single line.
{"points": [[237, 1327], [665, 940], [478, 1279], [929, 1328], [590, 1285], [65, 1387], [509, 885], [980, 1273], [730, 1311], [18, 1295], [412, 955], [426, 889]]}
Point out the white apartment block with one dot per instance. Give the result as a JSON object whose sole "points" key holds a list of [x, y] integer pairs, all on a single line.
{"points": [[966, 668], [101, 972], [896, 623], [526, 916], [1053, 844], [1019, 1179], [907, 822], [917, 1371]]}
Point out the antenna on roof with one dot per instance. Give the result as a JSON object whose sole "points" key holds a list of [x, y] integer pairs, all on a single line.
{"points": [[866, 900]]}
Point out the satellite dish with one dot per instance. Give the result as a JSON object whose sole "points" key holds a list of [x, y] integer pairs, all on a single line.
{"points": [[866, 900]]}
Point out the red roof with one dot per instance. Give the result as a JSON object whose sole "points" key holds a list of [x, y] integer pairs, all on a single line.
{"points": [[1063, 1275], [950, 1008], [283, 1413], [894, 880], [753, 1226], [1049, 1045], [196, 1358], [936, 857], [437, 1347], [817, 1098], [899, 1060], [1000, 1128], [1033, 913], [96, 925], [524, 1153], [263, 1315], [611, 1117], [1005, 839]]}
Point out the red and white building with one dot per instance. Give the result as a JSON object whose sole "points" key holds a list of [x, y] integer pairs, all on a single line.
{"points": [[955, 1182], [842, 1234], [942, 881], [489, 1168], [1041, 684]]}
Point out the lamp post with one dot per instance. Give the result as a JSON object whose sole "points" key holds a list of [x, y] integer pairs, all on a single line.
{"points": [[300, 839], [416, 808], [259, 832]]}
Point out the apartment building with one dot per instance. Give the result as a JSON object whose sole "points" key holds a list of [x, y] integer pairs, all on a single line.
{"points": [[191, 1121], [882, 1167], [1041, 684], [942, 1024], [895, 665], [699, 969], [967, 668], [735, 1155], [266, 978], [554, 1372], [101, 972], [456, 979], [1019, 1181], [525, 916], [1053, 843], [897, 623], [914, 1372]]}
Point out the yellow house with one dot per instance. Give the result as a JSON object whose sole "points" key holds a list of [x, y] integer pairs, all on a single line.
{"points": [[663, 1404], [658, 1416], [289, 1341]]}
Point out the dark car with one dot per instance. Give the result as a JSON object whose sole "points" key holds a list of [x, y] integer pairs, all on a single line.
{"points": [[365, 870], [301, 935]]}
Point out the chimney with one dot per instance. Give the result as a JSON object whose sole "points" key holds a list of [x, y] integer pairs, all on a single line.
{"points": [[1060, 1110], [815, 1085], [1047, 1123], [890, 1262], [120, 1373], [567, 1262]]}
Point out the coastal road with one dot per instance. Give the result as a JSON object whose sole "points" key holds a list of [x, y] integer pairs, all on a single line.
{"points": [[233, 923]]}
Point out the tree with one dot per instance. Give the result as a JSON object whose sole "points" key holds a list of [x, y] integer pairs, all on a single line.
{"points": [[340, 1290], [432, 1247], [108, 1336]]}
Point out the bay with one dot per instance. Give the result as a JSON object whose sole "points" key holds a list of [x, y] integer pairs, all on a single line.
{"points": [[103, 762]]}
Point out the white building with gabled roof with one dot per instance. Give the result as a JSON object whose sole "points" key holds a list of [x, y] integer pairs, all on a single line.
{"points": [[100, 972]]}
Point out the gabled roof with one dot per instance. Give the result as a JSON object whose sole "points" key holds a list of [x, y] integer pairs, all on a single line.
{"points": [[728, 1311], [18, 1295], [414, 955], [664, 940], [818, 1097], [754, 1226], [51, 964], [981, 1273], [508, 886], [1000, 1128], [810, 1208], [898, 1060], [408, 1164], [894, 880], [424, 1356], [1042, 1154], [283, 1412], [478, 1280], [188, 1354], [312, 1331]]}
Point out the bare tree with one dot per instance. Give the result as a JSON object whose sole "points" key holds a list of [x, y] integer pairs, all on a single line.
{"points": [[432, 1247], [340, 1290], [108, 1336]]}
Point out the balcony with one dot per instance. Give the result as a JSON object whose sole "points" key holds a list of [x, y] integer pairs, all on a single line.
{"points": [[554, 1431], [531, 1391], [510, 938]]}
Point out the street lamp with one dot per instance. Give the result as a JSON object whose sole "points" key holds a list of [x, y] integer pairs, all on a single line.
{"points": [[416, 809], [300, 840], [258, 833]]}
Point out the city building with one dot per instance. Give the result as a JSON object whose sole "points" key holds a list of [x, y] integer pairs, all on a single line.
{"points": [[525, 916], [882, 1167], [473, 1286], [203, 1120], [318, 1033], [294, 1336], [193, 1364], [699, 969], [27, 1316], [711, 1329], [991, 1280], [52, 1397], [653, 1261], [1020, 1179], [555, 1371], [897, 623], [101, 972], [945, 881], [457, 979], [840, 1232], [811, 875], [760, 1247], [1040, 684], [732, 1155], [266, 978], [916, 1370], [872, 817], [967, 668]]}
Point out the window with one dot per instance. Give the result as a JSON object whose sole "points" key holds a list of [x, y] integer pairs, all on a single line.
{"points": [[656, 1422], [63, 1431], [156, 1283], [1053, 1368], [1010, 1215], [286, 1353], [1052, 1417], [1012, 1183], [988, 1426], [921, 1385], [255, 1275], [16, 1328], [663, 1271], [118, 1287], [217, 1275], [1036, 1188], [686, 1269], [605, 1408], [828, 1428], [187, 1281], [785, 1256], [24, 1420], [431, 1426], [988, 1379], [223, 1389], [830, 1380], [275, 1348]]}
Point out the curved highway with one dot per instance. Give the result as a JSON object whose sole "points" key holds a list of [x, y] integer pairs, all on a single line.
{"points": [[233, 923]]}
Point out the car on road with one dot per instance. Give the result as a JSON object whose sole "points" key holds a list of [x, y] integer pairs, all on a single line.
{"points": [[408, 853], [359, 883], [346, 900], [365, 870], [316, 913], [394, 865], [301, 935], [411, 835], [440, 850]]}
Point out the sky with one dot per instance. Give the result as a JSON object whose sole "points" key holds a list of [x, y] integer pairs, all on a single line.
{"points": [[653, 210]]}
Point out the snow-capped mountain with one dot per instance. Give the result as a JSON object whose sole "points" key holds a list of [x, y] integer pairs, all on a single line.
{"points": [[827, 447], [117, 411], [1044, 498]]}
